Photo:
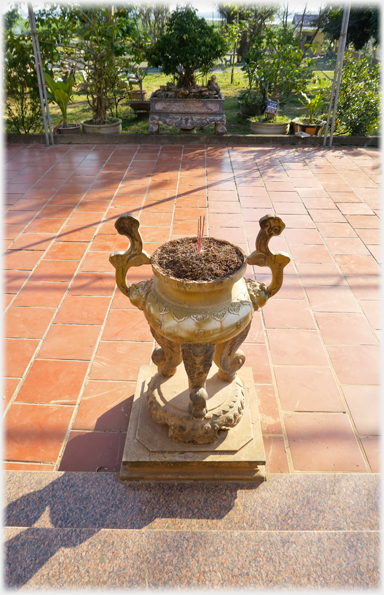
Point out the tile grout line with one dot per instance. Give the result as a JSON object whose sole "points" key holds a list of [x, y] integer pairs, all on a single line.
{"points": [[331, 367], [176, 192], [91, 362], [35, 217], [266, 343], [338, 384], [287, 448], [35, 354], [172, 225], [66, 219]]}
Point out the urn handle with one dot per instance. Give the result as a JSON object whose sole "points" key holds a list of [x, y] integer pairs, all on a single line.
{"points": [[270, 226], [128, 225]]}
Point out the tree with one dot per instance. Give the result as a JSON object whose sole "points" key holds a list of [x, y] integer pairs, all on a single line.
{"points": [[101, 43], [251, 18], [22, 103], [362, 26], [188, 44], [153, 18], [358, 107], [11, 17], [276, 65]]}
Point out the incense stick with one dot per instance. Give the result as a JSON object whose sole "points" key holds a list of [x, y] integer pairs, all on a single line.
{"points": [[200, 232]]}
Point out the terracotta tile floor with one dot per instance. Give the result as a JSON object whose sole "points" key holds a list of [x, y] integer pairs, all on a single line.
{"points": [[74, 344]]}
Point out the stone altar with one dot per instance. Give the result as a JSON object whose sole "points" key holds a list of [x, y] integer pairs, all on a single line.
{"points": [[188, 108]]}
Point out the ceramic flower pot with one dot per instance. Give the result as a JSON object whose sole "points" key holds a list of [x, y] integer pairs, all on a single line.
{"points": [[112, 128], [72, 129], [312, 129], [269, 127], [198, 322]]}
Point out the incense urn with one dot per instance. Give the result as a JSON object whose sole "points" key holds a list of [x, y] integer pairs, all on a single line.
{"points": [[198, 323]]}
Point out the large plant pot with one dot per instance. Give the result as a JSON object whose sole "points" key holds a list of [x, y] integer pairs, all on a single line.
{"points": [[112, 128], [72, 129], [249, 110], [198, 322], [187, 113], [312, 129], [269, 127], [140, 105]]}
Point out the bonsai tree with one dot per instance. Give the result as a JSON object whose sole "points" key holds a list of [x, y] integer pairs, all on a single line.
{"points": [[188, 44]]}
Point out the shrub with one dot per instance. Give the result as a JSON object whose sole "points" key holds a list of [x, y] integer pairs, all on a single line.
{"points": [[22, 104], [358, 108], [276, 65], [101, 44]]}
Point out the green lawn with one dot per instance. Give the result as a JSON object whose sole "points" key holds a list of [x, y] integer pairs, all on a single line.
{"points": [[79, 110]]}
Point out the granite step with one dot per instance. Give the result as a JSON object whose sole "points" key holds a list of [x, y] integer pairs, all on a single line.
{"points": [[72, 530]]}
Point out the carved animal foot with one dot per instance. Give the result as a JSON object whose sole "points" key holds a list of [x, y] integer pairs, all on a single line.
{"points": [[220, 129], [153, 127], [228, 358], [167, 357], [197, 358]]}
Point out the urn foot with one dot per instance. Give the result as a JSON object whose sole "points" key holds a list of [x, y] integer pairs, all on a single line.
{"points": [[168, 404]]}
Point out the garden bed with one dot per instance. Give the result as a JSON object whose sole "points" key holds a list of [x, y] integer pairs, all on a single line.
{"points": [[188, 139]]}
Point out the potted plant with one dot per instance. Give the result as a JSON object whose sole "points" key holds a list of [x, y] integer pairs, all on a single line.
{"points": [[188, 44], [311, 125], [266, 125], [60, 92]]}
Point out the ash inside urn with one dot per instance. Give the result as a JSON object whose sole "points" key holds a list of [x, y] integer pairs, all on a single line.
{"points": [[217, 259]]}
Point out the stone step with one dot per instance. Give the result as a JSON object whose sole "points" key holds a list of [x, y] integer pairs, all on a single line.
{"points": [[74, 530]]}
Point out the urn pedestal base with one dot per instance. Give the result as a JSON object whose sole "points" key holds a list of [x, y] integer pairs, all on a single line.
{"points": [[150, 455]]}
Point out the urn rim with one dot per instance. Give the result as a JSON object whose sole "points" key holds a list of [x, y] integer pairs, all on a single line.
{"points": [[214, 284]]}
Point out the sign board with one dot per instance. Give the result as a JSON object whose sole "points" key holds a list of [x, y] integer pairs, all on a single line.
{"points": [[272, 107]]}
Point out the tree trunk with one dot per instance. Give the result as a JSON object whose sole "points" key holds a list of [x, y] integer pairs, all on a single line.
{"points": [[188, 79]]}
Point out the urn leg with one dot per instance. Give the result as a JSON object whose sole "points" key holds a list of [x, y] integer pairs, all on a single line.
{"points": [[166, 357], [197, 358], [228, 358]]}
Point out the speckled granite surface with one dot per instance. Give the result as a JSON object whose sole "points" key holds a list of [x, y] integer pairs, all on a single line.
{"points": [[86, 530]]}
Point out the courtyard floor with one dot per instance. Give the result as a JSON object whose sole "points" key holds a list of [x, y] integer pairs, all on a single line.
{"points": [[74, 344]]}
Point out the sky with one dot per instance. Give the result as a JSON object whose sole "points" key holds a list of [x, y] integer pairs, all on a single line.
{"points": [[208, 6], [201, 5]]}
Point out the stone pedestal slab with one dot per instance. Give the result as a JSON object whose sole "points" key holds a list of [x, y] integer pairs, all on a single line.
{"points": [[150, 455], [187, 113]]}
